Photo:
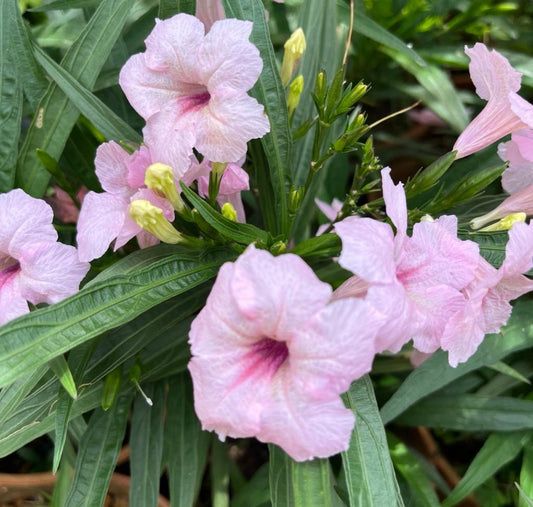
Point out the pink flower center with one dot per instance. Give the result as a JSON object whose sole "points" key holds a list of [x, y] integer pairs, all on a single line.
{"points": [[8, 272], [194, 102], [265, 358]]}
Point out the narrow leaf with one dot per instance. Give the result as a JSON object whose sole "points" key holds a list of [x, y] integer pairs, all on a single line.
{"points": [[61, 370], [219, 473], [498, 450], [38, 337], [97, 455], [56, 115], [146, 444], [367, 464], [269, 92], [103, 118], [185, 443], [526, 475]]}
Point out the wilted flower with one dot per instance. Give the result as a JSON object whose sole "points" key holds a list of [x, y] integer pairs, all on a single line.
{"points": [[272, 354], [191, 88], [34, 267], [496, 82], [415, 281], [488, 297], [104, 217], [63, 206]]}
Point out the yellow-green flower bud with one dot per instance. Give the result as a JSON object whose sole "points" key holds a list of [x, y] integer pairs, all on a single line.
{"points": [[160, 178], [228, 211], [295, 91], [294, 49], [151, 218], [505, 223]]}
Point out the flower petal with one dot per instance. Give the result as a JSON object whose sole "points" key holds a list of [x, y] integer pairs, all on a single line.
{"points": [[112, 168], [395, 203]]}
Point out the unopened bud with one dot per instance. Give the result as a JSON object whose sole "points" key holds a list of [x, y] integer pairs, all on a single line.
{"points": [[295, 91], [505, 223], [160, 178], [295, 199], [294, 49], [427, 218], [279, 247], [218, 167], [228, 211], [151, 219], [352, 97]]}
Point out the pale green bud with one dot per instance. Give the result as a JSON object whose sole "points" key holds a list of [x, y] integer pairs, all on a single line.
{"points": [[160, 178], [505, 223], [294, 49], [151, 219], [228, 211], [295, 91]]}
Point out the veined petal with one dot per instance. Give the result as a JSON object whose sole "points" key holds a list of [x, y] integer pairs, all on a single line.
{"points": [[12, 303], [395, 203], [209, 11], [112, 168], [101, 219], [367, 249]]}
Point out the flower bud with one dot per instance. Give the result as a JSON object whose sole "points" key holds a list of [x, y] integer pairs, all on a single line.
{"points": [[505, 223], [294, 49], [160, 178], [229, 212], [295, 91], [151, 218]]}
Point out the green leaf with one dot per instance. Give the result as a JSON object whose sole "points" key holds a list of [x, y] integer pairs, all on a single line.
{"points": [[10, 96], [436, 373], [491, 245], [369, 28], [498, 450], [501, 367], [526, 475], [61, 370], [168, 8], [97, 455], [66, 4], [470, 412], [256, 492], [186, 444], [103, 118], [269, 92], [219, 473], [146, 445], [241, 233], [38, 337], [325, 245], [56, 115], [441, 96], [300, 484], [411, 470], [367, 464], [61, 486]]}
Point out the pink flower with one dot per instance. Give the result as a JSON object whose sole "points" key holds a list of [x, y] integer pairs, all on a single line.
{"points": [[519, 153], [496, 82], [64, 207], [34, 267], [521, 202], [234, 180], [330, 210], [272, 354], [415, 281], [104, 217], [488, 297], [191, 88]]}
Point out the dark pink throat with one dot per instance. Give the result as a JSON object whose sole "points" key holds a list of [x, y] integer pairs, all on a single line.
{"points": [[264, 359], [190, 103], [8, 273]]}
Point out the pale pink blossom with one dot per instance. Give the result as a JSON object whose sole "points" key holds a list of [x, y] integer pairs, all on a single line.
{"points": [[415, 281], [497, 83], [34, 267], [520, 202], [234, 180], [104, 216], [488, 297], [63, 206], [519, 153], [191, 88], [330, 211], [272, 353]]}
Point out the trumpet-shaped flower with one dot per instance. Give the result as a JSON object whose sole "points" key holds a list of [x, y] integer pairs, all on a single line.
{"points": [[488, 296], [519, 153], [209, 11], [330, 211], [34, 267], [416, 281], [497, 83], [191, 88], [104, 217], [272, 353]]}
